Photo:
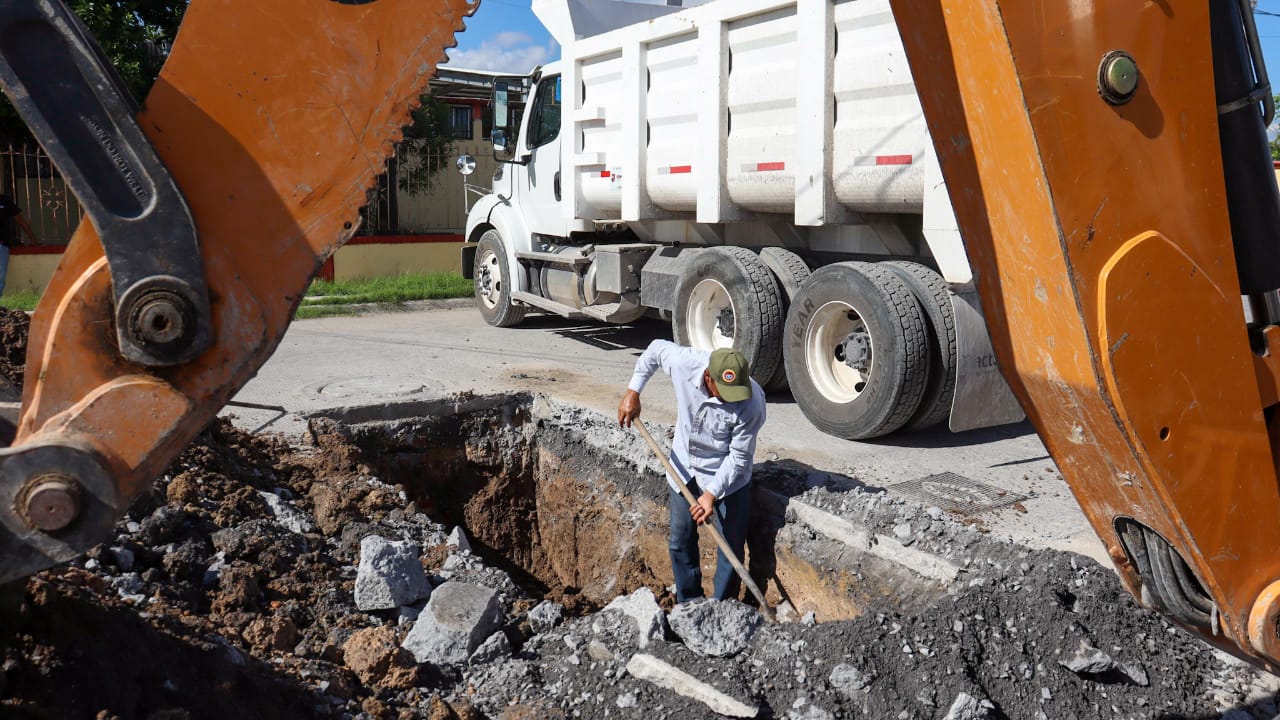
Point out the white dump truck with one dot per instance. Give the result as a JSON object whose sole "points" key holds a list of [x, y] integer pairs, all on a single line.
{"points": [[759, 172]]}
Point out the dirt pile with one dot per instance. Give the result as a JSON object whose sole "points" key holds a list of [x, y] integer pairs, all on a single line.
{"points": [[14, 325], [228, 591]]}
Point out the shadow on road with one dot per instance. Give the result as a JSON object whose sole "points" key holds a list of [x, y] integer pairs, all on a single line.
{"points": [[634, 336], [941, 437]]}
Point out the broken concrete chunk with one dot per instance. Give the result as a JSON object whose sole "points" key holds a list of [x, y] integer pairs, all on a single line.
{"points": [[287, 515], [458, 539], [545, 616], [786, 612], [123, 558], [1088, 660], [715, 628], [651, 669], [390, 575], [968, 707], [849, 679], [809, 712], [458, 617], [642, 607], [599, 651], [497, 646], [1136, 673]]}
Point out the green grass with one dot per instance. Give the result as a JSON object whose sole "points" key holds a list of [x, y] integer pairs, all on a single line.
{"points": [[326, 299], [25, 300], [434, 286]]}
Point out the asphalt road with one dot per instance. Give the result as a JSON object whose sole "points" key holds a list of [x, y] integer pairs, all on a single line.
{"points": [[387, 357]]}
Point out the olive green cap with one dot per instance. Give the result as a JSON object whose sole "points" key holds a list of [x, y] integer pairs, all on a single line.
{"points": [[731, 374]]}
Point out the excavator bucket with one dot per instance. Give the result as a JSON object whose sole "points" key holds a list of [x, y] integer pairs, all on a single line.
{"points": [[273, 119]]}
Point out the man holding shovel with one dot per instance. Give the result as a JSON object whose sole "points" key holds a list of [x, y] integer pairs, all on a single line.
{"points": [[720, 410]]}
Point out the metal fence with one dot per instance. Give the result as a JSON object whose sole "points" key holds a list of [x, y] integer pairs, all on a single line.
{"points": [[422, 192], [29, 177], [419, 193]]}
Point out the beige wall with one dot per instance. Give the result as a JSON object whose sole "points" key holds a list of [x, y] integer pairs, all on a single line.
{"points": [[357, 262], [30, 273], [443, 209]]}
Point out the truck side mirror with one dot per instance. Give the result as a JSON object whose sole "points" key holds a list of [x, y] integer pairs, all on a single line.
{"points": [[466, 165], [500, 149]]}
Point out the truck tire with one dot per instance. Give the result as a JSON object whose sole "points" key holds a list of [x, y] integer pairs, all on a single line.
{"points": [[856, 350], [931, 292], [790, 270], [493, 283], [728, 298]]}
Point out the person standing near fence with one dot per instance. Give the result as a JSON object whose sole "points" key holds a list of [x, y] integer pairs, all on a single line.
{"points": [[9, 211]]}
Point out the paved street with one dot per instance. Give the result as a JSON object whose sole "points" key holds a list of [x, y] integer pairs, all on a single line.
{"points": [[386, 357]]}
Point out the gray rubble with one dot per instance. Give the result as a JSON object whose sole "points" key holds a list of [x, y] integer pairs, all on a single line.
{"points": [[456, 620], [287, 515], [665, 675], [545, 615], [458, 539], [968, 707], [849, 679], [642, 607], [390, 575], [716, 628]]}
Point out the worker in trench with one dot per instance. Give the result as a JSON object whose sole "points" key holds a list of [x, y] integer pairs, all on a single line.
{"points": [[719, 412]]}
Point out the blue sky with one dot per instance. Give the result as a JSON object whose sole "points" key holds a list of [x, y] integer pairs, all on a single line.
{"points": [[505, 35]]}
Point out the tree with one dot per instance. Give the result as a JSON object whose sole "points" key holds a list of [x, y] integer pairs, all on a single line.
{"points": [[427, 146], [135, 35]]}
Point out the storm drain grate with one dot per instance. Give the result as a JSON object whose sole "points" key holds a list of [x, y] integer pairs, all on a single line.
{"points": [[956, 493]]}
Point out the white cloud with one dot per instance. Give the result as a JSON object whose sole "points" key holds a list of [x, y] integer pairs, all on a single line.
{"points": [[511, 52]]}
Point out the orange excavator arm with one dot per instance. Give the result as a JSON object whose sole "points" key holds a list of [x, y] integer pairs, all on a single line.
{"points": [[1108, 167], [211, 214]]}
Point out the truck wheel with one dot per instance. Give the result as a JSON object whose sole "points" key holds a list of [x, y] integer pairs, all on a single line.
{"points": [[790, 271], [856, 351], [728, 298], [493, 283], [931, 292]]}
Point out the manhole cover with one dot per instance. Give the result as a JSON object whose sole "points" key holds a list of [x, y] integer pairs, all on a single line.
{"points": [[359, 387], [956, 493]]}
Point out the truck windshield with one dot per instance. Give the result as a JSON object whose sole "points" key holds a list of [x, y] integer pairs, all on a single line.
{"points": [[544, 123]]}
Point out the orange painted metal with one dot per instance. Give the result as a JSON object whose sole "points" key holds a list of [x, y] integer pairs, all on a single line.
{"points": [[1100, 240], [274, 118]]}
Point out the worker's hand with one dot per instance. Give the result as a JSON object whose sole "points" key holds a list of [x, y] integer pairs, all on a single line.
{"points": [[629, 408], [701, 510]]}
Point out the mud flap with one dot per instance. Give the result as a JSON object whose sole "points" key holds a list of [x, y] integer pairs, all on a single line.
{"points": [[469, 261], [982, 398]]}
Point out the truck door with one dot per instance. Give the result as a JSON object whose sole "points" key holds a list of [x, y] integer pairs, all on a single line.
{"points": [[541, 195]]}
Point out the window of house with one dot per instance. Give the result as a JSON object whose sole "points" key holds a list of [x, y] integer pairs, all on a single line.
{"points": [[460, 122], [544, 126]]}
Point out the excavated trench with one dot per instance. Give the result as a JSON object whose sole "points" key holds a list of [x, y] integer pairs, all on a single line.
{"points": [[575, 509], [230, 589]]}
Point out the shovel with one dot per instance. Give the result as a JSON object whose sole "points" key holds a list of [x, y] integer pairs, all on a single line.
{"points": [[720, 541]]}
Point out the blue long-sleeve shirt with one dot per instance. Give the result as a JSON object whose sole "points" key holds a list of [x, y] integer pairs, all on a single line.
{"points": [[715, 441]]}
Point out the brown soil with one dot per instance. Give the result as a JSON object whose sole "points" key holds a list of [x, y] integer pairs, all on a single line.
{"points": [[14, 325], [274, 633], [260, 621]]}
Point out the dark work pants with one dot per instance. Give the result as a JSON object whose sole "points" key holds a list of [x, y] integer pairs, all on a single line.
{"points": [[731, 515]]}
